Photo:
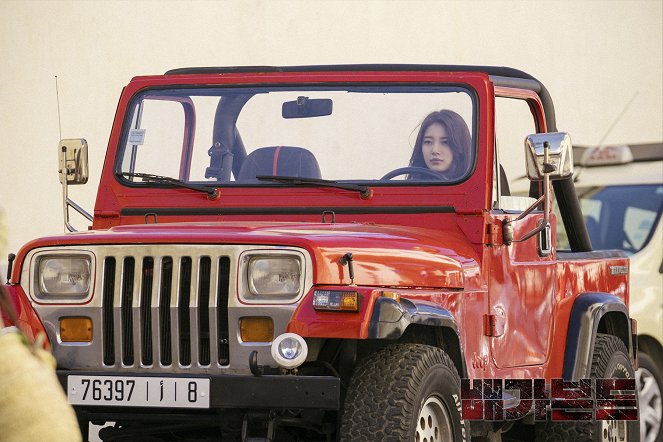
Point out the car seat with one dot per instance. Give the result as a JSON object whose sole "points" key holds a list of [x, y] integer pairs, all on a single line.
{"points": [[279, 160]]}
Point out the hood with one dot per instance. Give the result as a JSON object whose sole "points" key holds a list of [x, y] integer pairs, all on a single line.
{"points": [[383, 255]]}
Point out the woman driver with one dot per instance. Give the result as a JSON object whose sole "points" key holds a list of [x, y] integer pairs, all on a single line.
{"points": [[443, 145]]}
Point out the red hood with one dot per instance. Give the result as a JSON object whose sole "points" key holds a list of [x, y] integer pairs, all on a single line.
{"points": [[383, 255]]}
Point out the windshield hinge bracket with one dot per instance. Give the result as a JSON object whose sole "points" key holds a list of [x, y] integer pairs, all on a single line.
{"points": [[329, 213]]}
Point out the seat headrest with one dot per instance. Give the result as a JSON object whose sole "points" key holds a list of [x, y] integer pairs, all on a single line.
{"points": [[279, 160]]}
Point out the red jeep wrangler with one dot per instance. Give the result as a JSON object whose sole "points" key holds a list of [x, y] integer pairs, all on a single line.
{"points": [[323, 253]]}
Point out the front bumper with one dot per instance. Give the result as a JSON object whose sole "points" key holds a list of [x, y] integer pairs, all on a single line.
{"points": [[254, 392]]}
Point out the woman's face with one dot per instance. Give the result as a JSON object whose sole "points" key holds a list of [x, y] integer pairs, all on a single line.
{"points": [[438, 155]]}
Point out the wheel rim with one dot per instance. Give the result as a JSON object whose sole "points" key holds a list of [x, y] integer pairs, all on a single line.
{"points": [[614, 431], [651, 409], [434, 422]]}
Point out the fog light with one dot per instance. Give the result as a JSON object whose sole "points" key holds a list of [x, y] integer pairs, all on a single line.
{"points": [[76, 329], [289, 350]]}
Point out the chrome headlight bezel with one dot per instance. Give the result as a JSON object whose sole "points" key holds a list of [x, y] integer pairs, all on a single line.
{"points": [[292, 265], [49, 261]]}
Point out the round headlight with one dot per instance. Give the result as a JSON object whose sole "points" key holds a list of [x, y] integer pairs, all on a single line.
{"points": [[289, 350]]}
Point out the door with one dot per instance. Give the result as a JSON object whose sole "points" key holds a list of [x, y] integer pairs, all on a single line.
{"points": [[521, 287]]}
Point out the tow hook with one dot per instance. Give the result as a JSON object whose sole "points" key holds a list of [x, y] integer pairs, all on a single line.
{"points": [[260, 370], [256, 370], [253, 421]]}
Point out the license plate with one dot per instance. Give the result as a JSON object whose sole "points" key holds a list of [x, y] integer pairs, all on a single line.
{"points": [[138, 391]]}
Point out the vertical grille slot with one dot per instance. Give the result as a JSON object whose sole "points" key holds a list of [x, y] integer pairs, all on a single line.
{"points": [[107, 307], [126, 309], [203, 310], [164, 310], [222, 310], [147, 279], [183, 309]]}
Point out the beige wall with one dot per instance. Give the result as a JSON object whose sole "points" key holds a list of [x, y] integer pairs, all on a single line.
{"points": [[595, 57]]}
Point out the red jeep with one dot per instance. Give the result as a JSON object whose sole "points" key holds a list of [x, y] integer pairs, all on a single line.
{"points": [[323, 253]]}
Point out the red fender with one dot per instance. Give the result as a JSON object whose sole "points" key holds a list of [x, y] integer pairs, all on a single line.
{"points": [[28, 321]]}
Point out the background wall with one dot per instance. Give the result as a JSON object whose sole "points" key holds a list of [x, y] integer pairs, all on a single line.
{"points": [[602, 62]]}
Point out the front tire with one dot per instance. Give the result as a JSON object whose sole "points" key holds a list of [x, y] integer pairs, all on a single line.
{"points": [[404, 392]]}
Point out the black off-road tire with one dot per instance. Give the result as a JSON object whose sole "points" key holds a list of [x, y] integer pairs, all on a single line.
{"points": [[393, 389], [609, 361], [650, 387]]}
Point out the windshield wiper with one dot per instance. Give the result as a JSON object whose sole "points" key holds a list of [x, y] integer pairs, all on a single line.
{"points": [[211, 192], [364, 191]]}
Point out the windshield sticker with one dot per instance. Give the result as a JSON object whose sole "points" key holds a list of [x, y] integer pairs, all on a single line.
{"points": [[136, 136]]}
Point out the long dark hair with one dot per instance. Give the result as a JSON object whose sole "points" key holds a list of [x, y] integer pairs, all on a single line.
{"points": [[460, 142]]}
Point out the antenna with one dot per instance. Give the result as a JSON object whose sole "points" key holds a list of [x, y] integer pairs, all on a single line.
{"points": [[619, 117], [576, 175], [57, 97]]}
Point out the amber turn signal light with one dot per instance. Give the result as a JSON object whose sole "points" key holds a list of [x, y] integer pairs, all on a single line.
{"points": [[256, 329], [392, 295], [77, 329]]}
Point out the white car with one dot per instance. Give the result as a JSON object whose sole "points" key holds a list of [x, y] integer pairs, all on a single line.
{"points": [[621, 194]]}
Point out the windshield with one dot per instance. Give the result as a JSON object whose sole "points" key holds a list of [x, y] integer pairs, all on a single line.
{"points": [[620, 217], [234, 136]]}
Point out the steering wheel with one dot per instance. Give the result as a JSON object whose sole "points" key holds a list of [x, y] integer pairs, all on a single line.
{"points": [[410, 170]]}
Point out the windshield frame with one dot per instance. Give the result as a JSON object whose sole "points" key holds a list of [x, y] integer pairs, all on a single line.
{"points": [[367, 87]]}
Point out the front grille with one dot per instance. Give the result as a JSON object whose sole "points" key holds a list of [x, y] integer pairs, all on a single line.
{"points": [[166, 302]]}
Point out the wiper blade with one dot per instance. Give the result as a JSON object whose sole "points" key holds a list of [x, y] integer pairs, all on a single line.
{"points": [[211, 192], [364, 191]]}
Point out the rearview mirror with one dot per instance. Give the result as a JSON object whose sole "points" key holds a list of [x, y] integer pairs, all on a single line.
{"points": [[73, 162], [305, 107], [559, 163]]}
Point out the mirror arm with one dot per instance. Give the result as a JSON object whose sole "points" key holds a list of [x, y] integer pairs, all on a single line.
{"points": [[79, 209], [65, 197], [507, 225], [529, 210]]}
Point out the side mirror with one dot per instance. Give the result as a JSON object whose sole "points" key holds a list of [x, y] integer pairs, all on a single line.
{"points": [[73, 162], [73, 169], [549, 157], [559, 163]]}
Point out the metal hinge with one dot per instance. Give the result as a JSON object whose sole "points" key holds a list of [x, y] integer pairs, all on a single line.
{"points": [[493, 325], [494, 234]]}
